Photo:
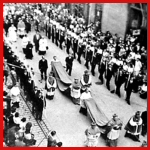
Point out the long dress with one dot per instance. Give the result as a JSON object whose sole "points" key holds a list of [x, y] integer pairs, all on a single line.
{"points": [[50, 87], [12, 34]]}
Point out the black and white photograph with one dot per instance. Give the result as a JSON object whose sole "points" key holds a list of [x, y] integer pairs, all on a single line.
{"points": [[75, 74]]}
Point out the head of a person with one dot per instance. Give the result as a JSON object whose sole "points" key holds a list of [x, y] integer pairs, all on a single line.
{"points": [[55, 58], [75, 80], [13, 109], [86, 72], [137, 115], [40, 93], [16, 114], [53, 133], [59, 144], [23, 119], [93, 125], [115, 117], [35, 88]]}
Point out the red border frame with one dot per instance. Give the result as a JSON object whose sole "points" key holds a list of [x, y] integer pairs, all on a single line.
{"points": [[54, 1]]}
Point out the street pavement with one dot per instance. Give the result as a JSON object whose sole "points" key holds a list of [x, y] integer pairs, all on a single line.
{"points": [[64, 117], [24, 111]]}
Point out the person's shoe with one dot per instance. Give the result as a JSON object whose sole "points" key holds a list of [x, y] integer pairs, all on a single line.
{"points": [[128, 102], [113, 91]]}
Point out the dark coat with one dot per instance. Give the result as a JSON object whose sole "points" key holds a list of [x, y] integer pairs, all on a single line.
{"points": [[43, 65]]}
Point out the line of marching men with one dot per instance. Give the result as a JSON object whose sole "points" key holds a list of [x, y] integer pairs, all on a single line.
{"points": [[125, 60]]}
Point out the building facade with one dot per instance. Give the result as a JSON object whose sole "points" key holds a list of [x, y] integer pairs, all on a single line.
{"points": [[120, 18]]}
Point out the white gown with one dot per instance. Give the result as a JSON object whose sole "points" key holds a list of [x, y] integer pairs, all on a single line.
{"points": [[12, 34]]}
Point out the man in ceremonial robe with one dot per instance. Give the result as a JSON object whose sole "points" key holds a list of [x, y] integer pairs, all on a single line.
{"points": [[134, 127], [50, 86]]}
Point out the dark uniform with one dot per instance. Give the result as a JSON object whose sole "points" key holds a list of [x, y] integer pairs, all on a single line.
{"points": [[40, 105], [62, 38], [109, 74], [75, 46], [128, 88], [69, 63], [144, 124], [53, 33], [43, 65], [102, 69], [119, 80], [36, 39], [93, 65], [57, 37], [68, 44], [88, 57], [80, 52]]}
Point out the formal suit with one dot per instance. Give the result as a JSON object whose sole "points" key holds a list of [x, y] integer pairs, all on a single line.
{"points": [[62, 38], [75, 46], [109, 74], [101, 71], [36, 39], [69, 63], [128, 89], [68, 44], [43, 65]]}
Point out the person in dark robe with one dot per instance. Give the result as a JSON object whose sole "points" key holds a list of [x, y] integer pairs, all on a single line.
{"points": [[144, 124], [134, 127], [36, 39], [29, 54]]}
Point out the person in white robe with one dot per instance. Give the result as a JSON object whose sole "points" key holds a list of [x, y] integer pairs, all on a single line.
{"points": [[12, 34], [43, 46], [50, 86]]}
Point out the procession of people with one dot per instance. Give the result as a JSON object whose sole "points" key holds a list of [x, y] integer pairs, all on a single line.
{"points": [[123, 61]]}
